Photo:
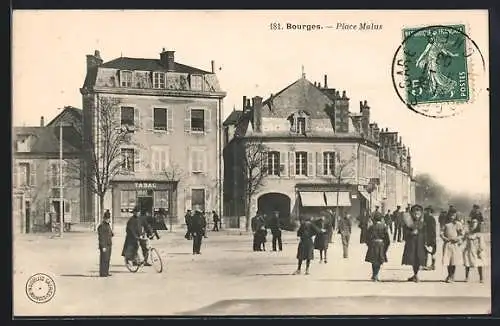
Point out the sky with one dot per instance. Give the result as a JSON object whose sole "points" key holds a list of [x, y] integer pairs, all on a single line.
{"points": [[50, 48]]}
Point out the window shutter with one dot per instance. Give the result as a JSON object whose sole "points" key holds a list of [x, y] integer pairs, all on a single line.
{"points": [[291, 159], [310, 164], [208, 120], [154, 159], [170, 120], [137, 118], [187, 120], [190, 160], [33, 174], [137, 159], [293, 125], [187, 198], [117, 116], [336, 168], [207, 201], [319, 163], [163, 159], [167, 156], [15, 180], [263, 162], [283, 164], [308, 124]]}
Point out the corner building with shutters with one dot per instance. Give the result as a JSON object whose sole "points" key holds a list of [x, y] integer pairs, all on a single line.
{"points": [[175, 114], [319, 155]]}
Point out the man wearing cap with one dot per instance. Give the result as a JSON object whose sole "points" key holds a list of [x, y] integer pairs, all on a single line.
{"points": [[415, 253], [197, 230], [275, 227], [105, 234], [430, 225], [187, 220], [476, 214]]}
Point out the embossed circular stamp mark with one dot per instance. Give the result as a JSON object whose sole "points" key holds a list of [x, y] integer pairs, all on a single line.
{"points": [[434, 69], [40, 288]]}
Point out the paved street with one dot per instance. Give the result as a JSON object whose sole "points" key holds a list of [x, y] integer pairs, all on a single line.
{"points": [[229, 279]]}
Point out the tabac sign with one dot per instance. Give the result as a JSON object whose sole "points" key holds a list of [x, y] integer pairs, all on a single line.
{"points": [[145, 185]]}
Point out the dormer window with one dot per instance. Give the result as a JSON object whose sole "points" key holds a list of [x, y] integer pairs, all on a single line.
{"points": [[301, 126], [158, 80], [126, 78], [196, 83]]}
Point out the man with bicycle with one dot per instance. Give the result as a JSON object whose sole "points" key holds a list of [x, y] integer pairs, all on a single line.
{"points": [[138, 232], [146, 234]]}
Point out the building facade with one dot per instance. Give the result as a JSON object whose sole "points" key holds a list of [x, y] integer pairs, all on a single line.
{"points": [[318, 155], [36, 179], [174, 113]]}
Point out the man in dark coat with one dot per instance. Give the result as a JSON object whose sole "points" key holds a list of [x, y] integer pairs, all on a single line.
{"points": [[398, 224], [431, 236], [345, 226], [216, 220], [388, 220], [133, 233], [258, 223], [476, 214], [198, 225], [415, 253], [146, 232], [378, 241], [105, 234], [187, 220], [443, 218], [275, 227], [330, 222], [364, 221]]}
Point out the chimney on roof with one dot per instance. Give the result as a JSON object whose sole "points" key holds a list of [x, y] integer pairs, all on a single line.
{"points": [[244, 103], [315, 84], [94, 60], [167, 59], [213, 66], [257, 113], [42, 121], [326, 81]]}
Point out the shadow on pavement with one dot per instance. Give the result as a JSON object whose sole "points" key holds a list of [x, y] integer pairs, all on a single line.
{"points": [[79, 275], [382, 281], [272, 274]]}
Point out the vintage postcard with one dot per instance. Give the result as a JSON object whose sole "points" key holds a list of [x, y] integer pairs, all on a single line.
{"points": [[183, 163]]}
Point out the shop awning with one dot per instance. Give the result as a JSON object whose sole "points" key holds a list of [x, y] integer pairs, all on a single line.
{"points": [[312, 199], [365, 194], [344, 199]]}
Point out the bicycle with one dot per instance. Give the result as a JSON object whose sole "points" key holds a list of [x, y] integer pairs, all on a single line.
{"points": [[154, 259]]}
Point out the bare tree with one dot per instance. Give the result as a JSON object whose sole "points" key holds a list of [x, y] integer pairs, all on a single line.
{"points": [[254, 166], [343, 169], [102, 149], [173, 174]]}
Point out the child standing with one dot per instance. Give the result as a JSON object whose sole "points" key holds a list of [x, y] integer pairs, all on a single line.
{"points": [[452, 235], [474, 249]]}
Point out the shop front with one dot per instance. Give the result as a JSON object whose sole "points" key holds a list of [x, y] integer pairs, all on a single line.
{"points": [[150, 197]]}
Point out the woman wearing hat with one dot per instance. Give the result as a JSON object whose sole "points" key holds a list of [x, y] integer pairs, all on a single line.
{"points": [[321, 239], [474, 249], [378, 241], [452, 235], [415, 252], [305, 250]]}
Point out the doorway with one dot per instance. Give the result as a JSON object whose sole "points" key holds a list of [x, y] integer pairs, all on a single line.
{"points": [[145, 203], [27, 222]]}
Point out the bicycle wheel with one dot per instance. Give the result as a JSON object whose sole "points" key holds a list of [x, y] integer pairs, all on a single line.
{"points": [[130, 266], [156, 260]]}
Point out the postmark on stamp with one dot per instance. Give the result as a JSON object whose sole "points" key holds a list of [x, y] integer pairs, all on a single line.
{"points": [[40, 288], [432, 69]]}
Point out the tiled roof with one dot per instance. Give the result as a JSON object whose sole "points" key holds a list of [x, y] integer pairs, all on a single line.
{"points": [[125, 63], [21, 131], [233, 118], [48, 140], [76, 113]]}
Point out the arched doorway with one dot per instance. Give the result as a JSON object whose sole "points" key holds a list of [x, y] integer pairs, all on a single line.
{"points": [[276, 202]]}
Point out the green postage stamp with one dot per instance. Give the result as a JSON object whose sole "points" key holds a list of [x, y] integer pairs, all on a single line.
{"points": [[436, 64]]}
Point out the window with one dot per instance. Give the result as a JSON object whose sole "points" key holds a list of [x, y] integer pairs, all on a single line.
{"points": [[128, 159], [24, 174], [196, 82], [158, 80], [301, 163], [273, 163], [197, 120], [198, 199], [126, 78], [301, 126], [329, 163], [198, 160], [161, 199], [127, 200], [160, 119], [127, 116], [160, 158], [54, 177]]}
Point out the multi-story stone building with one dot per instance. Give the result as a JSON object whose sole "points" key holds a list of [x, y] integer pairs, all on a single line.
{"points": [[174, 112], [36, 179], [318, 154]]}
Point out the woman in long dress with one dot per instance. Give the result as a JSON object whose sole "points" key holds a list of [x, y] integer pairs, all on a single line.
{"points": [[378, 241], [305, 250], [415, 253], [452, 235], [474, 251], [439, 83]]}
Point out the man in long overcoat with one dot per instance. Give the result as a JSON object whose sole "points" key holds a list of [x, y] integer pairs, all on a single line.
{"points": [[398, 224], [345, 226], [330, 223], [198, 225], [415, 253], [105, 235], [378, 241], [275, 227], [187, 220], [305, 249], [133, 233], [364, 221]]}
